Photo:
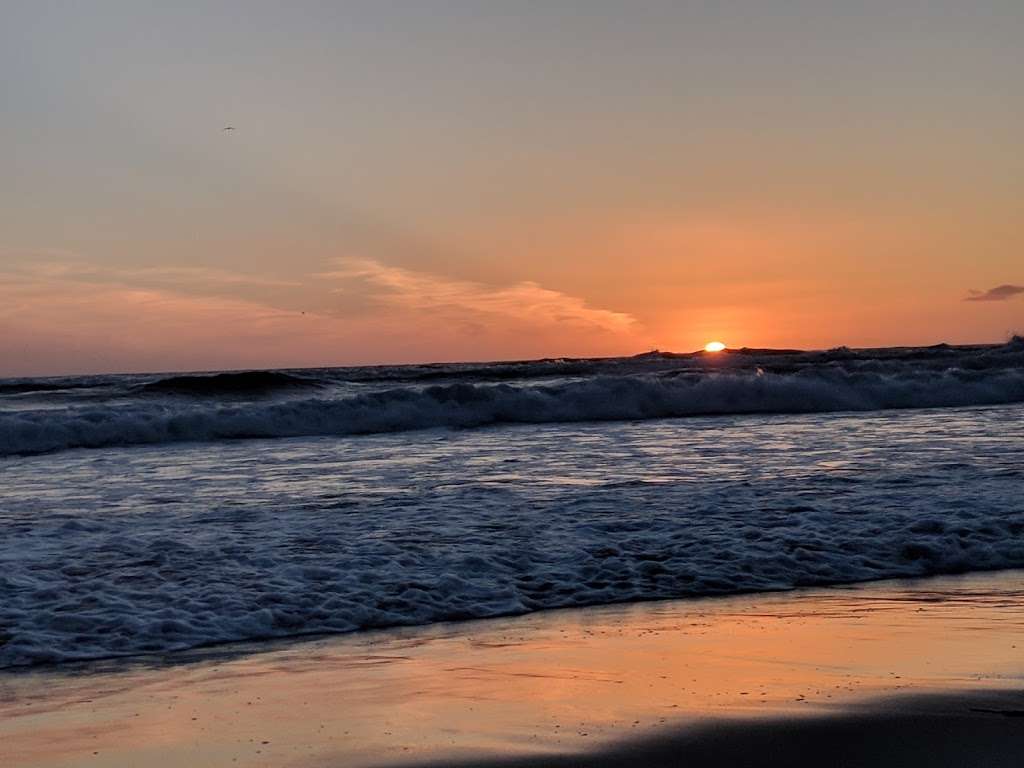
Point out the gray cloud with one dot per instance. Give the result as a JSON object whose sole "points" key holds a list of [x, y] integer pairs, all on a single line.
{"points": [[999, 293]]}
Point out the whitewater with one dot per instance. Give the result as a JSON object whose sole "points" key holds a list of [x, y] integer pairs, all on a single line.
{"points": [[41, 415], [154, 513]]}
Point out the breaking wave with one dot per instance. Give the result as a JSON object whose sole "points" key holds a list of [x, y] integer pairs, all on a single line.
{"points": [[464, 405]]}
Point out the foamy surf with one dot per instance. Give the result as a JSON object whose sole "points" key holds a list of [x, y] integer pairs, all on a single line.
{"points": [[271, 404], [137, 550]]}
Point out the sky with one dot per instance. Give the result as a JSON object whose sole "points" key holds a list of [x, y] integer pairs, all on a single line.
{"points": [[428, 181]]}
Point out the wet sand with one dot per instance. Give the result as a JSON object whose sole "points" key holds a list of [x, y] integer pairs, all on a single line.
{"points": [[926, 672], [950, 731]]}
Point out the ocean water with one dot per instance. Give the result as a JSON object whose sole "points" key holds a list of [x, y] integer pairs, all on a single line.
{"points": [[151, 513]]}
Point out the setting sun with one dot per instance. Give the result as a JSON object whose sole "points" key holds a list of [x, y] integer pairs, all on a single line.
{"points": [[714, 346]]}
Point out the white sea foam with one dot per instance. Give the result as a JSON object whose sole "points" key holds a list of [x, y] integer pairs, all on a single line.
{"points": [[597, 398], [130, 550]]}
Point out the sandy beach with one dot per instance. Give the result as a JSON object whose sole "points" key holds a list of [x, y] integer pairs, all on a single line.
{"points": [[905, 672]]}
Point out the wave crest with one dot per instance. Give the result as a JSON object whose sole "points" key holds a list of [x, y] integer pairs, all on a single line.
{"points": [[462, 405], [234, 383]]}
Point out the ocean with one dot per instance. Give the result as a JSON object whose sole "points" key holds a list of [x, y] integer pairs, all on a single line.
{"points": [[153, 513]]}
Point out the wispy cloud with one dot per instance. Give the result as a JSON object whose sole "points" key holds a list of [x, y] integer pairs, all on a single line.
{"points": [[999, 293], [61, 314], [424, 292], [61, 324]]}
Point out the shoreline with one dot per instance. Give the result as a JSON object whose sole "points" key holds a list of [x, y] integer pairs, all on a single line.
{"points": [[228, 650], [644, 682]]}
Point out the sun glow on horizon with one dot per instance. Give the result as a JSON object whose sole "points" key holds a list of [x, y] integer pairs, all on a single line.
{"points": [[714, 346]]}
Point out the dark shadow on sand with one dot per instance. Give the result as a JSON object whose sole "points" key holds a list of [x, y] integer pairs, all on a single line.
{"points": [[948, 730]]}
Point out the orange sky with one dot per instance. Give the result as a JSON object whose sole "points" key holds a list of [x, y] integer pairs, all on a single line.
{"points": [[449, 182]]}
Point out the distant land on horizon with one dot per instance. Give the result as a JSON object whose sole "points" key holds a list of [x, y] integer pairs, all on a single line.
{"points": [[1013, 338]]}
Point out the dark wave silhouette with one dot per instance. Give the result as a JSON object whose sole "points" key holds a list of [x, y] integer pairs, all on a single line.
{"points": [[28, 386], [241, 383], [23, 387]]}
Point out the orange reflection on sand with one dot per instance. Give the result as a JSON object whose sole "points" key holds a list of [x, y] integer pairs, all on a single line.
{"points": [[556, 681]]}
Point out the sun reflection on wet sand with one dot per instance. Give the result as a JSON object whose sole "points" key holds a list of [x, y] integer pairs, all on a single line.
{"points": [[557, 681]]}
